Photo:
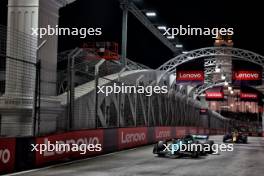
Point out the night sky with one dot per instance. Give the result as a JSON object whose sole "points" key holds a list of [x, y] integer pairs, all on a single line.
{"points": [[245, 17]]}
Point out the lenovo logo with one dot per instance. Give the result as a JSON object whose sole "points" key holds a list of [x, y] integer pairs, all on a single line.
{"points": [[163, 134], [190, 75], [132, 137], [248, 95], [246, 75], [4, 156], [214, 95]]}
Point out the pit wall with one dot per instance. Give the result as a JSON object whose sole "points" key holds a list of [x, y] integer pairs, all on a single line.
{"points": [[16, 154]]}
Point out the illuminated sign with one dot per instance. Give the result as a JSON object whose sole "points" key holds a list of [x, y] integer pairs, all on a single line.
{"points": [[246, 75], [214, 95], [248, 96], [190, 75]]}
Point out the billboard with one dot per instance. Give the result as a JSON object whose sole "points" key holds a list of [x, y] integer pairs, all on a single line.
{"points": [[190, 76], [248, 96], [163, 133], [214, 95], [246, 73], [7, 154], [132, 137]]}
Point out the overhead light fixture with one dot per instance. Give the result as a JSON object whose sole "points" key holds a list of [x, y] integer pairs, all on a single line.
{"points": [[151, 14], [184, 52], [178, 46], [229, 88], [226, 83], [231, 91], [162, 27]]}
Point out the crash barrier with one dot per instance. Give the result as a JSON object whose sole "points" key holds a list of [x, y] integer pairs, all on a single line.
{"points": [[7, 154], [16, 153]]}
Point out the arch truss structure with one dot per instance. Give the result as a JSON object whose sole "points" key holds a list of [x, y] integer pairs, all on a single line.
{"points": [[210, 54]]}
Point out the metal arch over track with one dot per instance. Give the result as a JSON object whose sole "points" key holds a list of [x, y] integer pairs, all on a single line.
{"points": [[210, 54], [170, 66]]}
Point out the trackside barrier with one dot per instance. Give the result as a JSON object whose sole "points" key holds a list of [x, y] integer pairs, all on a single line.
{"points": [[181, 131], [201, 130], [213, 131], [132, 137], [164, 133], [192, 130], [207, 131], [7, 154], [16, 153]]}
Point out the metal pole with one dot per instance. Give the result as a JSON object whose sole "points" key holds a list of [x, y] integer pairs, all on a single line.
{"points": [[124, 6], [96, 75], [37, 93], [70, 91], [96, 99], [72, 73], [35, 99], [72, 86], [68, 94]]}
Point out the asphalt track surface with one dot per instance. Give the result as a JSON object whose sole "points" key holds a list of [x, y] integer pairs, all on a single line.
{"points": [[245, 160]]}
